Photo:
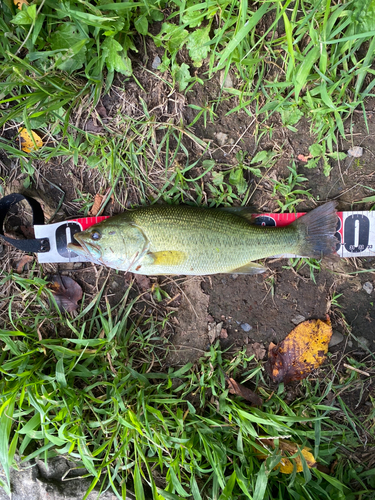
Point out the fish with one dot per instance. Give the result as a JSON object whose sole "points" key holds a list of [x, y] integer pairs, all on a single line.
{"points": [[188, 240]]}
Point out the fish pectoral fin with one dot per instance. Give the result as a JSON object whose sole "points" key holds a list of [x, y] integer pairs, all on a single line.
{"points": [[167, 257], [249, 268]]}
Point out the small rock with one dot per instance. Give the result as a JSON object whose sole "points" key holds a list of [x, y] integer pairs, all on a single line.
{"points": [[336, 338], [368, 287], [156, 62], [223, 334], [350, 343], [246, 327], [355, 152], [298, 319], [221, 138], [363, 342], [234, 276]]}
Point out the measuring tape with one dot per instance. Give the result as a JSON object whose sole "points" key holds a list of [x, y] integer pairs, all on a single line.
{"points": [[355, 232]]}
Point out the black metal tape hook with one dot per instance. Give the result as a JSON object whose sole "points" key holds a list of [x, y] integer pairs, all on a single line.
{"points": [[38, 245]]}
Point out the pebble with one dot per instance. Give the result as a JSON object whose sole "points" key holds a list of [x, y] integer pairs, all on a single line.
{"points": [[355, 152], [234, 276], [336, 338], [368, 287], [363, 342], [221, 138], [298, 319], [246, 327], [156, 62]]}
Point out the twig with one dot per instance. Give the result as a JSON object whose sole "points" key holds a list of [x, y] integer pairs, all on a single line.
{"points": [[356, 370]]}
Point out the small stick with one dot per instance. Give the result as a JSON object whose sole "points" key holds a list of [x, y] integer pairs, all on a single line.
{"points": [[356, 370]]}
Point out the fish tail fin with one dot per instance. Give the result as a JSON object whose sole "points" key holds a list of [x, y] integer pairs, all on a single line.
{"points": [[317, 231]]}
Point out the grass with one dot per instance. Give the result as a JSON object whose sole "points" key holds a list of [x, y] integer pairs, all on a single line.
{"points": [[82, 386], [84, 391]]}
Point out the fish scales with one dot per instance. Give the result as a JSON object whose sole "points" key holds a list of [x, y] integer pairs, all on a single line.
{"points": [[214, 241], [165, 239]]}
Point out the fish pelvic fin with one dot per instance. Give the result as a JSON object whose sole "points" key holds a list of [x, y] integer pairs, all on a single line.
{"points": [[250, 268], [317, 232]]}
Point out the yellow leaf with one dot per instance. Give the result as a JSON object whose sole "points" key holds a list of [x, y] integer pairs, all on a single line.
{"points": [[27, 142], [302, 351], [19, 3], [286, 465]]}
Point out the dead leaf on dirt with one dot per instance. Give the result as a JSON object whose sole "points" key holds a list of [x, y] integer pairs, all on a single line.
{"points": [[19, 3], [98, 200], [102, 112], [28, 232], [214, 331], [304, 158], [26, 259], [244, 392], [355, 152], [27, 142], [286, 465], [302, 351], [66, 291], [143, 282], [256, 349]]}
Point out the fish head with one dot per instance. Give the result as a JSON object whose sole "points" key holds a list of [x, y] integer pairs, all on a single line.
{"points": [[111, 244]]}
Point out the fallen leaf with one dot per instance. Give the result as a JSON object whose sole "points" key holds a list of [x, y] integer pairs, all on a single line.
{"points": [[27, 142], [19, 3], [286, 465], [28, 232], [26, 259], [143, 282], [355, 152], [214, 331], [66, 291], [98, 200], [304, 158], [256, 349], [301, 352], [244, 392]]}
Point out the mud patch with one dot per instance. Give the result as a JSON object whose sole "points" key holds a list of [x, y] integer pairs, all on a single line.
{"points": [[190, 340]]}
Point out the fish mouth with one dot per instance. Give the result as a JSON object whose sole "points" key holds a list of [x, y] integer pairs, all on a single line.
{"points": [[85, 248]]}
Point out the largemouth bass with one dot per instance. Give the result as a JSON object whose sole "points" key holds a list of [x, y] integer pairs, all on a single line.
{"points": [[164, 239]]}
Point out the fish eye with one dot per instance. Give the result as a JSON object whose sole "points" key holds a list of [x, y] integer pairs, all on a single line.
{"points": [[95, 235]]}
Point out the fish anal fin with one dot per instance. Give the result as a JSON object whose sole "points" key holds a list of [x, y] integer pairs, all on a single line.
{"points": [[250, 268], [167, 257]]}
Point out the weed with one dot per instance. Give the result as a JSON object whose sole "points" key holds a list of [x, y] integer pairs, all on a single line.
{"points": [[288, 189]]}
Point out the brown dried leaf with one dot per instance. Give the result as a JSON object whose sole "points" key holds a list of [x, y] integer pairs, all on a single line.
{"points": [[66, 291], [98, 200], [301, 352], [256, 349], [143, 282], [244, 392], [304, 158], [26, 259]]}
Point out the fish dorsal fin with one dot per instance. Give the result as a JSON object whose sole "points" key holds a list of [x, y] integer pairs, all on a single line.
{"points": [[167, 257], [248, 213], [250, 268]]}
